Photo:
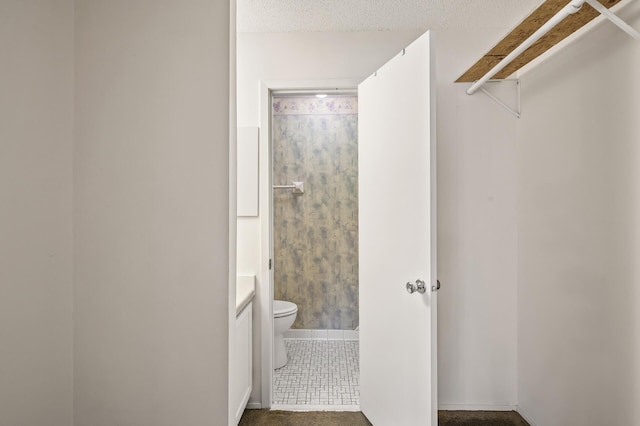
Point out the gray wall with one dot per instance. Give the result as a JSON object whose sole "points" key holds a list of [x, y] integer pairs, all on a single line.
{"points": [[151, 212], [133, 208], [579, 233], [36, 265]]}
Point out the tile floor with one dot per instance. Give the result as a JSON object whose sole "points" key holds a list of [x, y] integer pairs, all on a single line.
{"points": [[319, 372]]}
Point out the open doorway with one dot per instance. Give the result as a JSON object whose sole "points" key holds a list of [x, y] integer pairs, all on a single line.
{"points": [[314, 222], [395, 239]]}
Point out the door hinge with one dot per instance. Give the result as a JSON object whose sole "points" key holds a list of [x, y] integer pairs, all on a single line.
{"points": [[269, 264]]}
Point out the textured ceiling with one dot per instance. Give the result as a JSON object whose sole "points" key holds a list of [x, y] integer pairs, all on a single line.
{"points": [[379, 15]]}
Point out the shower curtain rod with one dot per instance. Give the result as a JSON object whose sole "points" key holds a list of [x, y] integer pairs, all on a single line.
{"points": [[571, 8]]}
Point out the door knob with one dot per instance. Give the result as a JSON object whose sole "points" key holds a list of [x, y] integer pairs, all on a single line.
{"points": [[419, 286], [436, 287]]}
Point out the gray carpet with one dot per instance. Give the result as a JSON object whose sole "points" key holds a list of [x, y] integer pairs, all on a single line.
{"points": [[309, 418], [480, 418], [330, 418]]}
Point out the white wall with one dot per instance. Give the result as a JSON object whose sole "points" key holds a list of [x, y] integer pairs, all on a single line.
{"points": [[36, 264], [477, 200], [579, 233], [477, 240], [151, 212]]}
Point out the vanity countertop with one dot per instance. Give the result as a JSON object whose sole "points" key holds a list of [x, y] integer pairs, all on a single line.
{"points": [[245, 290]]}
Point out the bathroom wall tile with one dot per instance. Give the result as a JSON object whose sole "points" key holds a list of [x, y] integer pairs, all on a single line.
{"points": [[351, 335], [297, 334], [319, 334], [335, 335], [304, 334]]}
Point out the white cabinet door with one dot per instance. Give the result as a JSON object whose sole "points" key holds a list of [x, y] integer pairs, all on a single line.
{"points": [[397, 239], [242, 365]]}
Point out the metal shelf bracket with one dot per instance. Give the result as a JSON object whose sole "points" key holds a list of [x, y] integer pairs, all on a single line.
{"points": [[516, 112]]}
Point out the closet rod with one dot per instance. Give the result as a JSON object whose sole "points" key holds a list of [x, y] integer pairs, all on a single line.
{"points": [[571, 8]]}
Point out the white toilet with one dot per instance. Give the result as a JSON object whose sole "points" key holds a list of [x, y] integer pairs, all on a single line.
{"points": [[284, 314]]}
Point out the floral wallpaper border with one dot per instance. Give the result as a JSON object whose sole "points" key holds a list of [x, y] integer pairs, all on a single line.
{"points": [[296, 105]]}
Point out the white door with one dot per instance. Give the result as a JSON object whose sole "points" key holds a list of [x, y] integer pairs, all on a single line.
{"points": [[396, 163]]}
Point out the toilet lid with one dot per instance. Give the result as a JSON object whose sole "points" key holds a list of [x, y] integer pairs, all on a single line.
{"points": [[282, 308]]}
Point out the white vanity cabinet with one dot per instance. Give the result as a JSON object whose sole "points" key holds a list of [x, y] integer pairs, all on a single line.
{"points": [[241, 361]]}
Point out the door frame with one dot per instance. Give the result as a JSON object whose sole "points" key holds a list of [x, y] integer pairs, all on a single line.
{"points": [[266, 291]]}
